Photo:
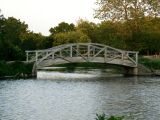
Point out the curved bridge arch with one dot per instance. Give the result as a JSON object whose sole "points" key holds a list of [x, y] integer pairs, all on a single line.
{"points": [[82, 52]]}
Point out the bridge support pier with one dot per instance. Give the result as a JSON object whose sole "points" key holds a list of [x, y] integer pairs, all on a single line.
{"points": [[34, 69], [131, 71]]}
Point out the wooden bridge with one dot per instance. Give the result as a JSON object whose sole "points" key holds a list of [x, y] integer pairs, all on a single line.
{"points": [[83, 52]]}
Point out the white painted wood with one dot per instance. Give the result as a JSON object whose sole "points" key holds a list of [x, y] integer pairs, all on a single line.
{"points": [[71, 51], [111, 55], [88, 51]]}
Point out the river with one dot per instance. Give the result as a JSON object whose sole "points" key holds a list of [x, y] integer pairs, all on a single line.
{"points": [[136, 98]]}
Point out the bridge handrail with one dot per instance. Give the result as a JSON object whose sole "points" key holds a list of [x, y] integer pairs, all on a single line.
{"points": [[97, 49], [72, 44]]}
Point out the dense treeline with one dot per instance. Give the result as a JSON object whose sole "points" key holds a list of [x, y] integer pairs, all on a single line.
{"points": [[144, 36], [138, 19]]}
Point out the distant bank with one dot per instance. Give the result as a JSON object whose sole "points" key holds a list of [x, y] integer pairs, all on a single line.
{"points": [[15, 70], [19, 69]]}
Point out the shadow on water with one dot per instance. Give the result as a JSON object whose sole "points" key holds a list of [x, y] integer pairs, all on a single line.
{"points": [[80, 70]]}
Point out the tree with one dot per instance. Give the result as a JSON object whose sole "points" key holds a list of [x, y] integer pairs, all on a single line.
{"points": [[48, 42], [12, 30], [2, 25], [112, 34], [153, 8], [118, 10], [70, 37], [87, 28], [62, 28], [32, 41], [135, 17]]}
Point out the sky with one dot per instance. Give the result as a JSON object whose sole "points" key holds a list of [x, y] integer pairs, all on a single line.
{"points": [[41, 15]]}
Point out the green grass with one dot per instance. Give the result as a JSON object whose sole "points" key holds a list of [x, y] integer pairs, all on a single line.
{"points": [[150, 63]]}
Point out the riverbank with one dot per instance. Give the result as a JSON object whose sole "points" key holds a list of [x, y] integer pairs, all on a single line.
{"points": [[20, 69], [153, 64], [15, 70]]}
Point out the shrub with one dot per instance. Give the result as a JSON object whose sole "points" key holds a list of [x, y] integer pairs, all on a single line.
{"points": [[103, 117]]}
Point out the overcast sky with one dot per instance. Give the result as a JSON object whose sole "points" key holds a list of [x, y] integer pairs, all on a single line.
{"points": [[41, 15]]}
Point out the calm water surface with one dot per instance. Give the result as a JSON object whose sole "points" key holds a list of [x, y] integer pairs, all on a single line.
{"points": [[137, 98]]}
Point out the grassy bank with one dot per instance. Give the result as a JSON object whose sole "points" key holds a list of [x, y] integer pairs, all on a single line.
{"points": [[15, 69], [153, 64]]}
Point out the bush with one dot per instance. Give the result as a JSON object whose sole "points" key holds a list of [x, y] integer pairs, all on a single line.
{"points": [[14, 68], [103, 117], [4, 69]]}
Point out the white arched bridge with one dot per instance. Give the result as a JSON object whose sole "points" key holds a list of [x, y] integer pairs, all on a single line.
{"points": [[82, 52]]}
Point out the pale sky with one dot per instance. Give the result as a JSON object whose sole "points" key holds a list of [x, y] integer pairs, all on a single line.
{"points": [[41, 15]]}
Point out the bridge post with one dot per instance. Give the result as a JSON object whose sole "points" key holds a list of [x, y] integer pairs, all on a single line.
{"points": [[88, 51], [71, 51], [36, 56], [122, 57], [135, 71], [93, 51], [60, 53], [137, 59], [105, 54], [77, 50], [52, 55], [27, 56], [131, 71], [34, 69]]}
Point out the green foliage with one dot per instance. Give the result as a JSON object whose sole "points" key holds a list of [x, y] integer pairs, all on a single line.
{"points": [[4, 69], [141, 34], [103, 117], [70, 37], [62, 28], [11, 69], [150, 63], [115, 118], [134, 24], [10, 38], [118, 10], [32, 41], [88, 28], [111, 34]]}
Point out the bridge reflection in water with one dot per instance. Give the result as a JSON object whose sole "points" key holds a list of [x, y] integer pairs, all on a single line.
{"points": [[84, 52]]}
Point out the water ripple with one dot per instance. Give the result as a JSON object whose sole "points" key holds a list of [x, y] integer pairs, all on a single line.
{"points": [[137, 98]]}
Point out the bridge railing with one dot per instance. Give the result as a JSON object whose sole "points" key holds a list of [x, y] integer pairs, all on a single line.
{"points": [[87, 51]]}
